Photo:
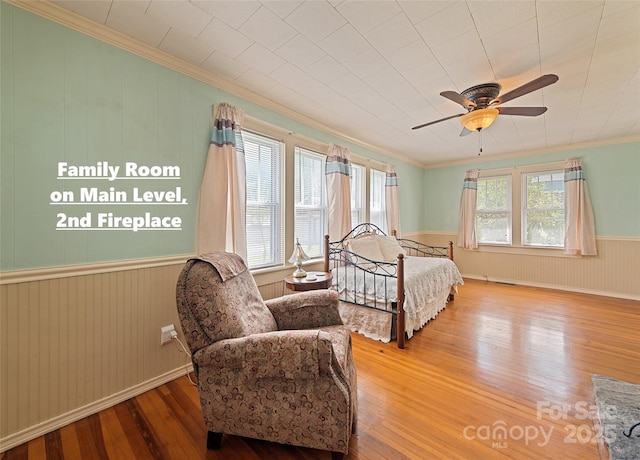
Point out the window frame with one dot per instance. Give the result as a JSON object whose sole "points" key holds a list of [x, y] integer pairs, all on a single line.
{"points": [[516, 246], [508, 210], [525, 209], [360, 208], [300, 150], [277, 234], [383, 177], [290, 140]]}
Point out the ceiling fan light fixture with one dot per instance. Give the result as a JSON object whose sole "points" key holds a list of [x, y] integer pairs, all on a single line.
{"points": [[479, 119]]}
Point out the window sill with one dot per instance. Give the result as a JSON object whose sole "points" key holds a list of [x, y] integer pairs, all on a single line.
{"points": [[522, 250], [276, 274]]}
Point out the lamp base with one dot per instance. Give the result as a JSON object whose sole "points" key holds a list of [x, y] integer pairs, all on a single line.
{"points": [[299, 273]]}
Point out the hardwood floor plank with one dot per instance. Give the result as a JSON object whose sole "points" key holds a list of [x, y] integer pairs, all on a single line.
{"points": [[53, 445], [503, 372], [137, 432], [115, 439], [70, 442], [153, 448], [90, 437]]}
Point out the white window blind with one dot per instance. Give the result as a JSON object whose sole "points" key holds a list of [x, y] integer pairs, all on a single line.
{"points": [[543, 209], [265, 233], [310, 200], [377, 214], [493, 210], [357, 195]]}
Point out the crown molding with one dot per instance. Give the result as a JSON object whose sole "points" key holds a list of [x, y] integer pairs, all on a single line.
{"points": [[99, 31]]}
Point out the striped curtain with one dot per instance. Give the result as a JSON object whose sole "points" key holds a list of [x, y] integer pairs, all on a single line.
{"points": [[221, 220], [338, 181], [391, 201], [467, 221], [580, 231]]}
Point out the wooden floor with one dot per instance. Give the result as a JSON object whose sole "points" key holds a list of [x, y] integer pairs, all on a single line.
{"points": [[503, 372]]}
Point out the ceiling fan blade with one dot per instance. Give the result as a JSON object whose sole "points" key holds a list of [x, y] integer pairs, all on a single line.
{"points": [[522, 111], [437, 121], [458, 98], [533, 85], [465, 132]]}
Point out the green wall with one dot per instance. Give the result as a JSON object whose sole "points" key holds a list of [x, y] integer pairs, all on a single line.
{"points": [[66, 97], [612, 180]]}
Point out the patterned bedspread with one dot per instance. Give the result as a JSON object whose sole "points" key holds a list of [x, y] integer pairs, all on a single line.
{"points": [[427, 279]]}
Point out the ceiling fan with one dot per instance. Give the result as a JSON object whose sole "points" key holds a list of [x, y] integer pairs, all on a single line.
{"points": [[482, 101]]}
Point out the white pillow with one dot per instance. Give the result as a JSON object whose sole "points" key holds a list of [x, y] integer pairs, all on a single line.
{"points": [[390, 248], [366, 247]]}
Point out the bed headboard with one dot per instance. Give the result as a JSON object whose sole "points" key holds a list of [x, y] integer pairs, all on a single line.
{"points": [[360, 230]]}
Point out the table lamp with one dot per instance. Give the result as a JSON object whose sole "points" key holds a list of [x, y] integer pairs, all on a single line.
{"points": [[297, 258]]}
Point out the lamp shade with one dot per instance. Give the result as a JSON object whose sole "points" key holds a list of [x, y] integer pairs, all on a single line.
{"points": [[479, 119], [298, 254]]}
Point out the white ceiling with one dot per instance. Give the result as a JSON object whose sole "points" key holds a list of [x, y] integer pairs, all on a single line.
{"points": [[374, 69]]}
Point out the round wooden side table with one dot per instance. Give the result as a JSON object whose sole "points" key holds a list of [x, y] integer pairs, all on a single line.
{"points": [[322, 281]]}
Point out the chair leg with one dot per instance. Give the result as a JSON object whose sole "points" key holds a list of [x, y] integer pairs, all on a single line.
{"points": [[213, 440]]}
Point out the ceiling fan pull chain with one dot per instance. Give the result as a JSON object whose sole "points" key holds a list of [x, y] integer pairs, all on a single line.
{"points": [[480, 141]]}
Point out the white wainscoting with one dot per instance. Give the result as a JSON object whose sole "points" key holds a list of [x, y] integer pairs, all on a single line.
{"points": [[614, 272], [74, 340], [77, 338]]}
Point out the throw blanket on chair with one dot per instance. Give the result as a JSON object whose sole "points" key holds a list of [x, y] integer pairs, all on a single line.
{"points": [[227, 264]]}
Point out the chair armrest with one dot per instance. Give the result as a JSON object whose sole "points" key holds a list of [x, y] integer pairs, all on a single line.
{"points": [[282, 354], [305, 310]]}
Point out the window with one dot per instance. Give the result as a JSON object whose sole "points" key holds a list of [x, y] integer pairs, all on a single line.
{"points": [[286, 194], [543, 209], [493, 210], [377, 214], [263, 156], [310, 201], [357, 195], [521, 207]]}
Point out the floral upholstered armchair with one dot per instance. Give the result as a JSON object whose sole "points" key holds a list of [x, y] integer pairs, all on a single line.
{"points": [[280, 370]]}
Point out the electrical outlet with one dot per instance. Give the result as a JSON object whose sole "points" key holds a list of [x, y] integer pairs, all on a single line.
{"points": [[167, 333]]}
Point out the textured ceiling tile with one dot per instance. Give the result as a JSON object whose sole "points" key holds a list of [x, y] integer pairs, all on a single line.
{"points": [[345, 43], [185, 47], [367, 64], [261, 59], [282, 8], [367, 15], [328, 70], [222, 37], [256, 81], [224, 65], [267, 29], [446, 24], [290, 76], [418, 11], [181, 15], [231, 12], [300, 51], [128, 19], [315, 20], [491, 17], [393, 34]]}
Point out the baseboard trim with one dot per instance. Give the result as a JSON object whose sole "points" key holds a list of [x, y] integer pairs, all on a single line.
{"points": [[60, 421], [557, 287]]}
